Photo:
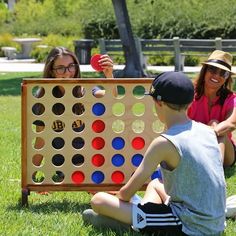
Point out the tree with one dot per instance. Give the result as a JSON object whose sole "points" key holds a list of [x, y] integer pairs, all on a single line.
{"points": [[133, 67]]}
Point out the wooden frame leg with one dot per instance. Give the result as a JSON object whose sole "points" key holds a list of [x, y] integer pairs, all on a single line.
{"points": [[24, 197]]}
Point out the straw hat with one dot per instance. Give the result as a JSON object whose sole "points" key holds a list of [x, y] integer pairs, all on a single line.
{"points": [[220, 59]]}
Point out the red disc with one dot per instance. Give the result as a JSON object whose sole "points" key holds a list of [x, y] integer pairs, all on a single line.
{"points": [[98, 143], [98, 160], [138, 143], [78, 177], [117, 177], [94, 62], [98, 126]]}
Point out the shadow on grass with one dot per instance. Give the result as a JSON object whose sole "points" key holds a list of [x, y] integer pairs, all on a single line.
{"points": [[10, 84], [10, 87], [230, 171], [66, 206], [53, 206]]}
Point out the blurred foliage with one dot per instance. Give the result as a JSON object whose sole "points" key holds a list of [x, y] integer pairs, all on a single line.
{"points": [[185, 18], [6, 40], [94, 19], [3, 12], [42, 49]]}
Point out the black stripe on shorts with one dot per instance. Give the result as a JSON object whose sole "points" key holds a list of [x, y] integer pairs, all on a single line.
{"points": [[152, 217]]}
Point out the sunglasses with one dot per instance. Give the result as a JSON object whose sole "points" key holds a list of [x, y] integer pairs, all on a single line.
{"points": [[60, 70], [216, 71]]}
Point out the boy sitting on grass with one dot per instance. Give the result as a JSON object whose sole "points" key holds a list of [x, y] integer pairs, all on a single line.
{"points": [[191, 199]]}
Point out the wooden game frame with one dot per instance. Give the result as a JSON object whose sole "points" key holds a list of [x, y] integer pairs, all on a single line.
{"points": [[88, 100]]}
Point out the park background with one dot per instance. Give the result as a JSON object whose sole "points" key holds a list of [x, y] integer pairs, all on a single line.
{"points": [[60, 22]]}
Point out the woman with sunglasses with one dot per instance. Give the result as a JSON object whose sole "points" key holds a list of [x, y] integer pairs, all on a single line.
{"points": [[62, 63], [215, 103]]}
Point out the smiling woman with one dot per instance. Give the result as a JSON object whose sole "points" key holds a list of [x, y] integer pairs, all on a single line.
{"points": [[215, 103]]}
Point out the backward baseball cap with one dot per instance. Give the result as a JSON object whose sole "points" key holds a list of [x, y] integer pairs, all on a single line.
{"points": [[172, 87]]}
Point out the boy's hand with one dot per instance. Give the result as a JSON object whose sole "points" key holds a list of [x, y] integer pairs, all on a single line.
{"points": [[213, 123]]}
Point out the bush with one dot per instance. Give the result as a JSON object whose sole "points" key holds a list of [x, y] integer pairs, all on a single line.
{"points": [[3, 12], [40, 52], [6, 40], [185, 19], [50, 17], [160, 60], [191, 60], [95, 19]]}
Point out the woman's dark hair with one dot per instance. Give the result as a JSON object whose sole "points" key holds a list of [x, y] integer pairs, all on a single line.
{"points": [[223, 92], [53, 54]]}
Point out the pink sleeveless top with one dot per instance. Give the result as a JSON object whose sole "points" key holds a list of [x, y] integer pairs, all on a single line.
{"points": [[199, 110]]}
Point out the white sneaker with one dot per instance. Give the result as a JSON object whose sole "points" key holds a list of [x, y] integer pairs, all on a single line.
{"points": [[231, 207], [91, 217]]}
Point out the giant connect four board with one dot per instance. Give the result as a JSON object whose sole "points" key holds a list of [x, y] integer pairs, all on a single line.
{"points": [[115, 131]]}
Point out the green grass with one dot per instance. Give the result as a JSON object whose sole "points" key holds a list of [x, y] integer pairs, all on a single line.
{"points": [[58, 213]]}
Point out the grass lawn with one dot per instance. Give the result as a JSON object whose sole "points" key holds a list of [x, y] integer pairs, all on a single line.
{"points": [[58, 213]]}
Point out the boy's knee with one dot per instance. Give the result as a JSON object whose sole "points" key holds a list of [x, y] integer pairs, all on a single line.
{"points": [[155, 183], [97, 201]]}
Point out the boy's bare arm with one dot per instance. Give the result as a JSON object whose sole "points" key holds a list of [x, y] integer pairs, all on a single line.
{"points": [[159, 150], [227, 125]]}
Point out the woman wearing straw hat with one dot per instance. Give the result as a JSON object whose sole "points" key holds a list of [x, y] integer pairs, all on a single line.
{"points": [[215, 103]]}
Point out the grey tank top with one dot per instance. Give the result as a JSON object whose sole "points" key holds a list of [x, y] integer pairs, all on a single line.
{"points": [[197, 186]]}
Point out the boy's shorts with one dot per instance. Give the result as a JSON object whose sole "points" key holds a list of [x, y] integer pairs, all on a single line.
{"points": [[156, 218]]}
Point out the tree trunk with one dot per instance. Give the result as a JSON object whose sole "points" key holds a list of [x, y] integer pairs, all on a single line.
{"points": [[133, 67]]}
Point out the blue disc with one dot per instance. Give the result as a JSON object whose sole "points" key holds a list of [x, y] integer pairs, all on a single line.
{"points": [[137, 159], [118, 143], [98, 109], [97, 177], [118, 160], [156, 174]]}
